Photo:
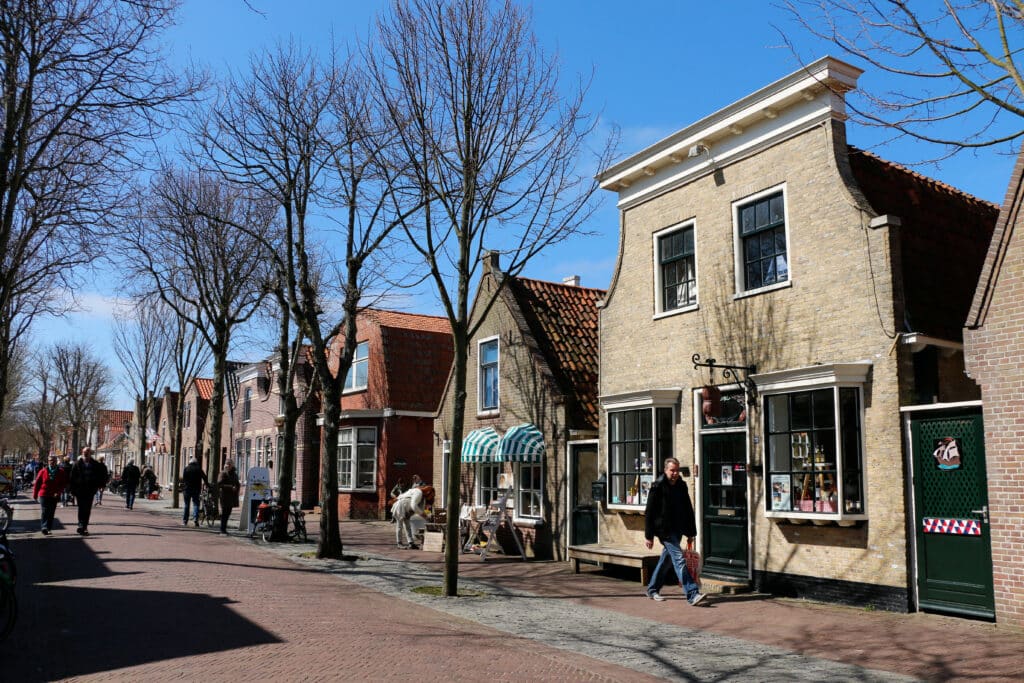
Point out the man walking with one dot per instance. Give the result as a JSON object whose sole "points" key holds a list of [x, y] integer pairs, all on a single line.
{"points": [[130, 477], [193, 477], [87, 476], [669, 516], [47, 487]]}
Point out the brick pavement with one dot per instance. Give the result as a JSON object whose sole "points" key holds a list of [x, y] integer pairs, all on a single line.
{"points": [[113, 607]]}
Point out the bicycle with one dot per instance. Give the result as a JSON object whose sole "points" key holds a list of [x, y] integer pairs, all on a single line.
{"points": [[8, 600], [208, 512], [6, 515], [267, 515]]}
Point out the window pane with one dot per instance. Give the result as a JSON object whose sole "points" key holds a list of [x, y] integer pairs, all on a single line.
{"points": [[775, 210], [489, 352], [754, 279], [767, 242], [761, 209], [746, 219], [778, 413], [778, 453], [800, 405]]}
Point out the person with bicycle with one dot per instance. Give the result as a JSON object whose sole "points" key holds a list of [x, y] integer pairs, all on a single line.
{"points": [[49, 484], [193, 478]]}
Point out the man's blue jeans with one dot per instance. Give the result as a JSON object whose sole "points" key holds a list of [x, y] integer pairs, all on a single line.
{"points": [[191, 497], [672, 551], [129, 497]]}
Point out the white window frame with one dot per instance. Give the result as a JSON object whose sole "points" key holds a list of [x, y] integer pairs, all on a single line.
{"points": [[739, 270], [446, 450], [247, 405], [188, 414], [349, 437], [358, 362], [537, 490], [835, 377], [659, 302], [496, 408], [481, 489]]}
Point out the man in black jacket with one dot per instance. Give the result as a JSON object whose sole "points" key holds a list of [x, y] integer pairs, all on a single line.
{"points": [[130, 477], [193, 477], [87, 476], [669, 516]]}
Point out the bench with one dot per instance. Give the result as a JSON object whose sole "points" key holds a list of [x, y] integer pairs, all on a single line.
{"points": [[624, 555]]}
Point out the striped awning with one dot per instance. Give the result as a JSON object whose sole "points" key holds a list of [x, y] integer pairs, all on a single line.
{"points": [[522, 443], [480, 445]]}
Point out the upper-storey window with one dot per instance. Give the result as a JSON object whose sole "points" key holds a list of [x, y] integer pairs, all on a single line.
{"points": [[247, 405], [188, 414], [360, 370], [761, 226], [488, 374], [677, 270]]}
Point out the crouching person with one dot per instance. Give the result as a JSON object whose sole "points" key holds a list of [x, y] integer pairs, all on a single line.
{"points": [[406, 507]]}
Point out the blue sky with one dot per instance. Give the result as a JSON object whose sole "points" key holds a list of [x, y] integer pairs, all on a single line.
{"points": [[656, 66]]}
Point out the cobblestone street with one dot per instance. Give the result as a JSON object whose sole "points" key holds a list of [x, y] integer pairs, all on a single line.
{"points": [[144, 598]]}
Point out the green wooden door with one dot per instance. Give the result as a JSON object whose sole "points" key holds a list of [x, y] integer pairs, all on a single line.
{"points": [[724, 481], [584, 465], [954, 553]]}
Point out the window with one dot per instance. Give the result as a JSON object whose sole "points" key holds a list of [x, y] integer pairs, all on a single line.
{"points": [[243, 466], [814, 453], [359, 372], [762, 241], [676, 275], [259, 451], [357, 458], [488, 374], [638, 443], [487, 478], [188, 414], [530, 490], [247, 405]]}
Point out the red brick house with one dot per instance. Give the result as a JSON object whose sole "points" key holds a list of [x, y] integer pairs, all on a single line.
{"points": [[994, 339], [391, 393], [195, 404], [111, 437], [532, 395]]}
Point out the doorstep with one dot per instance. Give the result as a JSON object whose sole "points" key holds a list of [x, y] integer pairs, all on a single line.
{"points": [[723, 586]]}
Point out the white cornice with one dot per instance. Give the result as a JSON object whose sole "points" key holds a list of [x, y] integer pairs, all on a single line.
{"points": [[832, 374], [644, 397], [778, 111]]}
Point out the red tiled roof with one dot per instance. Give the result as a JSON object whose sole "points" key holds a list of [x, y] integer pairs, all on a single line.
{"points": [[564, 322], [117, 419], [204, 388], [939, 225], [408, 321]]}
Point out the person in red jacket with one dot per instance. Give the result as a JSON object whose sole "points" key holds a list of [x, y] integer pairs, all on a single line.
{"points": [[49, 484]]}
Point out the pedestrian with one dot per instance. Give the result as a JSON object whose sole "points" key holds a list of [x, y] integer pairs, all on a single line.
{"points": [[68, 496], [99, 492], [407, 506], [87, 477], [193, 477], [148, 481], [47, 487], [669, 516], [130, 477], [32, 468], [227, 486]]}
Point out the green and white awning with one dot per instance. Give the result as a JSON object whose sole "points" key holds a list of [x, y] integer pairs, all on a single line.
{"points": [[522, 443], [480, 445]]}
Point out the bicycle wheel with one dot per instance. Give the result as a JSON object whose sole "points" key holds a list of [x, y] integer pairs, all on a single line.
{"points": [[298, 532], [5, 517], [8, 608]]}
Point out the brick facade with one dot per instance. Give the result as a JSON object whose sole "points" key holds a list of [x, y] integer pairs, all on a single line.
{"points": [[995, 347]]}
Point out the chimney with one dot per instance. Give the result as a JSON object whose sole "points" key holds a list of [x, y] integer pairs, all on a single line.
{"points": [[492, 263], [571, 281]]}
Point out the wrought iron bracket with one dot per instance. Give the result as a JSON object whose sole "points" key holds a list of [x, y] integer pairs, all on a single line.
{"points": [[732, 372]]}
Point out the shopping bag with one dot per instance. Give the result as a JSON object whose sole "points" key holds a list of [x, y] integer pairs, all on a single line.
{"points": [[693, 561]]}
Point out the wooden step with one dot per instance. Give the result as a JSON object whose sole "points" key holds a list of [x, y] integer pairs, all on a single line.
{"points": [[723, 586]]}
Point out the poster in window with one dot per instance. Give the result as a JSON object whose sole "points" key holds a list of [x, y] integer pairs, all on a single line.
{"points": [[780, 492], [947, 453], [726, 475], [646, 480]]}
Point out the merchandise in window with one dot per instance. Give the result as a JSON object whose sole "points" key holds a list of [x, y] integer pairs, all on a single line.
{"points": [[357, 458], [489, 375], [814, 451], [678, 272], [359, 372], [638, 443], [762, 230], [529, 494]]}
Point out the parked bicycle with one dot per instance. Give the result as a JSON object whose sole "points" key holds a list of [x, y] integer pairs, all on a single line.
{"points": [[8, 578], [6, 515], [208, 512], [267, 515]]}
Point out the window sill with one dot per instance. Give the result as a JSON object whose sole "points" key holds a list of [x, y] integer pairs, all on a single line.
{"points": [[364, 490], [820, 519], [676, 311], [626, 509], [531, 522], [493, 412], [354, 390], [762, 290]]}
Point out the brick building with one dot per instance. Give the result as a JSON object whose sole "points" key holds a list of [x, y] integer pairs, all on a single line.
{"points": [[195, 404], [531, 379], [390, 397], [834, 284], [995, 347]]}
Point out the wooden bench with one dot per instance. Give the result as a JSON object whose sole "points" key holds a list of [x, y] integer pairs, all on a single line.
{"points": [[624, 555]]}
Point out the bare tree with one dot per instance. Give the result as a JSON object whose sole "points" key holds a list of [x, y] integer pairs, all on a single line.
{"points": [[82, 85], [42, 413], [494, 145], [949, 63], [303, 132], [189, 354], [81, 381], [186, 246]]}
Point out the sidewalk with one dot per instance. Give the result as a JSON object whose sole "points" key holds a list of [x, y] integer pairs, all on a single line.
{"points": [[923, 646]]}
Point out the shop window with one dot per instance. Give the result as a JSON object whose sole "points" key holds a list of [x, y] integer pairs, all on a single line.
{"points": [[638, 443], [357, 458]]}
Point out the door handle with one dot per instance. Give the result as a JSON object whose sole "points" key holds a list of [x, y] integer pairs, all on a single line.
{"points": [[983, 512]]}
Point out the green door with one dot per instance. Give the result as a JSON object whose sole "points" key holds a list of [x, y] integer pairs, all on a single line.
{"points": [[583, 459], [954, 552], [724, 481]]}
